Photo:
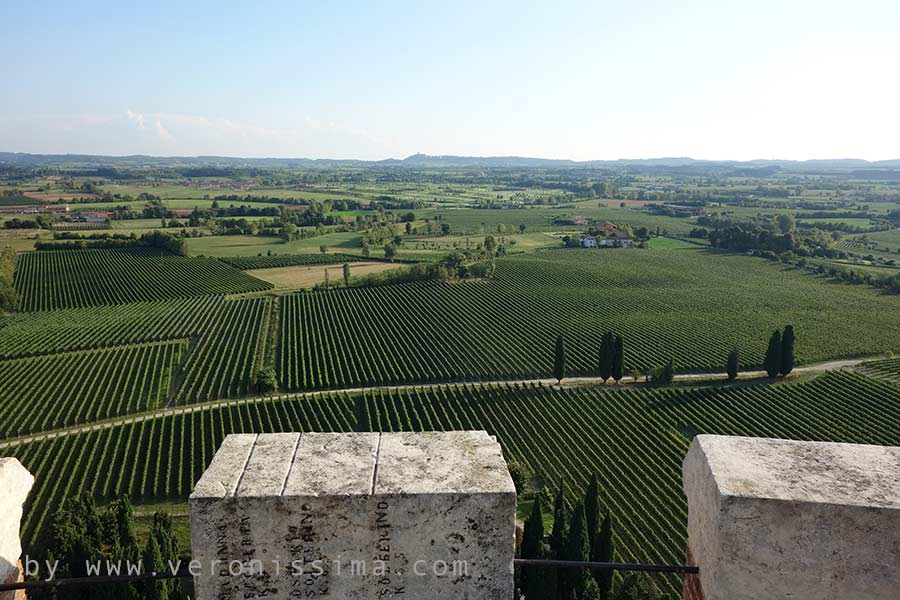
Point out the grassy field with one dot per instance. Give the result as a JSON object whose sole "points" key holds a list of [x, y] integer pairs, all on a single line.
{"points": [[249, 245], [306, 277]]}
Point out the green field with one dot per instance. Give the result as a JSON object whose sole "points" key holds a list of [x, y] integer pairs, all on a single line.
{"points": [[666, 305], [248, 245], [56, 279]]}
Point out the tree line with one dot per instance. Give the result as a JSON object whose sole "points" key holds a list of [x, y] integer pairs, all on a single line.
{"points": [[779, 359], [81, 534]]}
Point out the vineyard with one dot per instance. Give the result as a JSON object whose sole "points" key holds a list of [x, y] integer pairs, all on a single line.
{"points": [[888, 369], [53, 280], [79, 387], [633, 439], [213, 348], [677, 305], [249, 263]]}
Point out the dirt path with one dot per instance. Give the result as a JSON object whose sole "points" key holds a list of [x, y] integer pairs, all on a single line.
{"points": [[569, 381]]}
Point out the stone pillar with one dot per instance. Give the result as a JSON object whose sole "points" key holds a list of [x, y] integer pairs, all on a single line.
{"points": [[420, 516], [15, 483], [780, 519]]}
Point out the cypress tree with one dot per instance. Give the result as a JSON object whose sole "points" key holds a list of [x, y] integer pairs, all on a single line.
{"points": [[153, 563], [578, 549], [559, 362], [538, 582], [607, 356], [773, 355], [734, 364], [592, 508], [558, 535], [787, 350], [618, 366], [603, 552]]}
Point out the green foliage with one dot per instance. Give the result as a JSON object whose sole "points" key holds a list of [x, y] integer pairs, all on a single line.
{"points": [[559, 359], [560, 531], [773, 355], [602, 551], [664, 375], [787, 351], [734, 364], [607, 356], [618, 366], [248, 263], [266, 380], [521, 474]]}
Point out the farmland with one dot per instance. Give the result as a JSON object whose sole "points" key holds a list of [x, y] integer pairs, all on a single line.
{"points": [[57, 279], [634, 440], [666, 305], [122, 369]]}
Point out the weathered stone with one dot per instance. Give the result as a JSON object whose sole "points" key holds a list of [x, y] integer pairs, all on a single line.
{"points": [[15, 484], [362, 515], [800, 520]]}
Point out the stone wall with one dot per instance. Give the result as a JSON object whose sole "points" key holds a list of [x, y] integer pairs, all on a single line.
{"points": [[363, 515], [15, 484], [781, 519]]}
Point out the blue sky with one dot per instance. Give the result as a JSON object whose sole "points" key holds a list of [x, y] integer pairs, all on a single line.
{"points": [[584, 80]]}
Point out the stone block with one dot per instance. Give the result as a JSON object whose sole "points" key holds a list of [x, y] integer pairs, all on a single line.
{"points": [[781, 519], [359, 515], [15, 484]]}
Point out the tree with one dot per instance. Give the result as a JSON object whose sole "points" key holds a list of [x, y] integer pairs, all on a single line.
{"points": [[153, 563], [521, 474], [607, 356], [390, 251], [266, 380], [773, 355], [559, 361], [560, 521], [539, 583], [664, 375], [347, 274], [602, 551], [578, 549], [445, 228], [592, 508], [734, 364], [618, 366], [786, 223], [787, 351], [522, 227], [323, 248]]}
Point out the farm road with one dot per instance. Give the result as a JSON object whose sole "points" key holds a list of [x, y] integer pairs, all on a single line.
{"points": [[569, 381]]}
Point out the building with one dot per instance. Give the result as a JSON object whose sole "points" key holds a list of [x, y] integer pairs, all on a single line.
{"points": [[588, 241]]}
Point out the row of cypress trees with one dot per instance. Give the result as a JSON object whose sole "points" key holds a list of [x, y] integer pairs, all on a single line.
{"points": [[584, 534], [611, 361], [80, 533], [780, 353]]}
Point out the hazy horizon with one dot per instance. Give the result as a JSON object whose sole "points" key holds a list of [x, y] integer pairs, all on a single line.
{"points": [[571, 81], [445, 155]]}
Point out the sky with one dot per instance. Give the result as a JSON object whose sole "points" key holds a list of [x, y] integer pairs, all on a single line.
{"points": [[709, 79]]}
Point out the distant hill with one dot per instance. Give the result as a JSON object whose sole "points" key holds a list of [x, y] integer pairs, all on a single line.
{"points": [[424, 161]]}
